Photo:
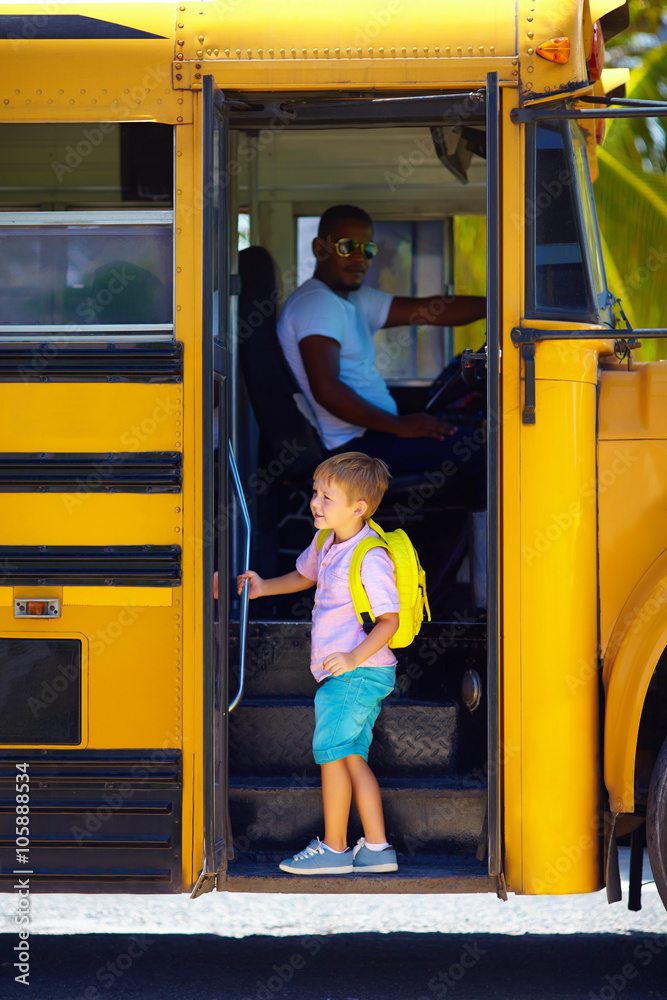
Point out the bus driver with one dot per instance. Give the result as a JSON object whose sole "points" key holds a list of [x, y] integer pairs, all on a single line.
{"points": [[326, 332]]}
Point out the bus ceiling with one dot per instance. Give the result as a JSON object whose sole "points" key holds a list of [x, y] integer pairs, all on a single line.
{"points": [[376, 112], [457, 121]]}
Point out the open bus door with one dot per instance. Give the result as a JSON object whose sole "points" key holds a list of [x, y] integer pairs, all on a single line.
{"points": [[215, 327], [482, 109], [496, 866]]}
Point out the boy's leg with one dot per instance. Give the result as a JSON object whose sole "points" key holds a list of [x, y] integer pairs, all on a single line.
{"points": [[346, 709], [367, 798], [336, 798], [340, 780]]}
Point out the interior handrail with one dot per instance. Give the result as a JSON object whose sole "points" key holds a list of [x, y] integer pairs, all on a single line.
{"points": [[243, 622]]}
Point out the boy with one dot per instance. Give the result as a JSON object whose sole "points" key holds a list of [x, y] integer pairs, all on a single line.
{"points": [[356, 670]]}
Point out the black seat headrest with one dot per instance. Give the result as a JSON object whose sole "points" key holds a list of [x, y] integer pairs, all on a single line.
{"points": [[287, 435]]}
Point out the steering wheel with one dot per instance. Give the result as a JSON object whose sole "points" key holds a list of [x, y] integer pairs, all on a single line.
{"points": [[465, 372]]}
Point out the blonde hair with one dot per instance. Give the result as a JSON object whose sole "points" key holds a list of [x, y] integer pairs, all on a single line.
{"points": [[359, 476]]}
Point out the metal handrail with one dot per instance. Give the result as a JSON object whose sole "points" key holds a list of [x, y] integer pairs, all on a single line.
{"points": [[243, 621]]}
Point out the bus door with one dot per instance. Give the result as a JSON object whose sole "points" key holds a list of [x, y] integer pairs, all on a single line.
{"points": [[496, 867], [215, 327]]}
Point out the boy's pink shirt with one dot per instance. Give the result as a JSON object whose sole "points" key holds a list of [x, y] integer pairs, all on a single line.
{"points": [[336, 628]]}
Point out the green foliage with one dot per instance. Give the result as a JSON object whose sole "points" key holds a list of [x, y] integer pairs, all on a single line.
{"points": [[640, 142], [631, 200], [645, 19]]}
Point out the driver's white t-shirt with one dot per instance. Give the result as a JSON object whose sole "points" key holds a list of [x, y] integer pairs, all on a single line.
{"points": [[315, 309]]}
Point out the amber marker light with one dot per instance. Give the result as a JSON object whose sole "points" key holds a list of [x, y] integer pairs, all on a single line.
{"points": [[555, 50]]}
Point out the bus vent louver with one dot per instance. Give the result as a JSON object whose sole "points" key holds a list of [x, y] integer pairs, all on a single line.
{"points": [[64, 472], [100, 820], [139, 362], [91, 565]]}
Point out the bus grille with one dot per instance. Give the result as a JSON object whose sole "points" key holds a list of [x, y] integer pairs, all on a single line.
{"points": [[100, 821]]}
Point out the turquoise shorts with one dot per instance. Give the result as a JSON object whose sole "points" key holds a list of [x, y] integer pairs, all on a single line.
{"points": [[346, 708]]}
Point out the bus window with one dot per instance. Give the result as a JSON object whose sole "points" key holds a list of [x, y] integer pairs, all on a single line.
{"points": [[556, 267], [244, 231], [469, 271], [85, 273], [410, 261], [86, 230]]}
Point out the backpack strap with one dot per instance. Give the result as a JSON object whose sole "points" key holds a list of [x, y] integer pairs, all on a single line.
{"points": [[322, 536], [376, 528], [362, 605]]}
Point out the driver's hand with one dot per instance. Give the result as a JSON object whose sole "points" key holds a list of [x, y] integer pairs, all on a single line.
{"points": [[415, 425]]}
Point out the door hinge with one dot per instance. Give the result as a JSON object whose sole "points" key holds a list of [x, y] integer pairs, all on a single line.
{"points": [[206, 882], [501, 887]]}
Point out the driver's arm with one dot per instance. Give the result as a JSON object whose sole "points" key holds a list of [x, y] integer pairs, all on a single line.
{"points": [[437, 310], [321, 359]]}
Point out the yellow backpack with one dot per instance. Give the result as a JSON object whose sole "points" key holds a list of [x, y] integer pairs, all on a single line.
{"points": [[410, 582]]}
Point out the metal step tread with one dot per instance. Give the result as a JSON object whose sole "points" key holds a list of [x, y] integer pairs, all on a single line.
{"points": [[303, 701], [410, 737], [431, 785], [442, 628], [439, 873], [278, 659], [428, 818]]}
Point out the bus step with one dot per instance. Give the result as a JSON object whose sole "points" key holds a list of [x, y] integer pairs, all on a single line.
{"points": [[431, 817], [410, 738], [424, 874], [278, 658]]}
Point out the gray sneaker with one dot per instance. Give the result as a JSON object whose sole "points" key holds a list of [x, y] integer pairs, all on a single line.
{"points": [[370, 862], [316, 860]]}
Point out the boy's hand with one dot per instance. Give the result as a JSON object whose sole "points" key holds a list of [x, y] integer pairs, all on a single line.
{"points": [[339, 663], [255, 583]]}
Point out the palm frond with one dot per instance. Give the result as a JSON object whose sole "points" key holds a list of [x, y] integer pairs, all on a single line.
{"points": [[615, 282], [632, 212], [647, 82]]}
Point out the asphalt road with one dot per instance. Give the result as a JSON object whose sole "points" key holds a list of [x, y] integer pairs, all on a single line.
{"points": [[370, 966], [261, 947]]}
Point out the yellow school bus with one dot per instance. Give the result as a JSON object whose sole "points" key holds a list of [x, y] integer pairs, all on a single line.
{"points": [[156, 740]]}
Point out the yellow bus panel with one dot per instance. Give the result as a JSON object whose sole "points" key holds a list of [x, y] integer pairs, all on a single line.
{"points": [[93, 518], [88, 417]]}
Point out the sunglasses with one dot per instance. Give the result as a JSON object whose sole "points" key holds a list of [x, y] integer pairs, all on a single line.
{"points": [[346, 247]]}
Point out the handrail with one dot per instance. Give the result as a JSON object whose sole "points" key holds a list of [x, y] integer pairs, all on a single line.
{"points": [[243, 622]]}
